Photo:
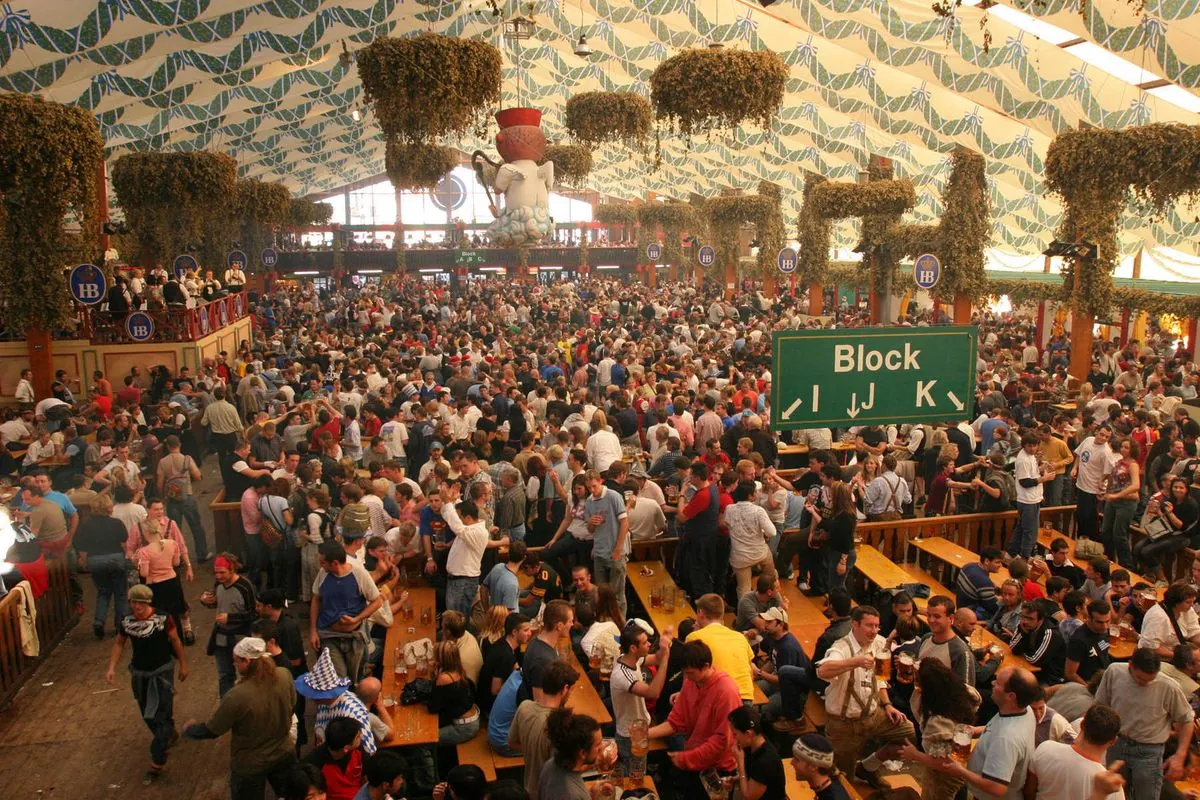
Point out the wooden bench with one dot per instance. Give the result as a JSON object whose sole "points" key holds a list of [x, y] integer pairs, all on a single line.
{"points": [[477, 751], [922, 576], [878, 570]]}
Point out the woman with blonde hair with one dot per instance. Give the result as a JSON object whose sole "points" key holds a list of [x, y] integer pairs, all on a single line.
{"points": [[492, 628], [156, 560], [100, 542], [869, 471], [453, 697]]}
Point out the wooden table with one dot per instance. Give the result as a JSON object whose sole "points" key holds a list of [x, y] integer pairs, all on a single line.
{"points": [[1047, 535], [954, 555], [879, 570], [843, 450], [792, 450], [411, 725], [585, 699], [983, 638], [660, 617], [1063, 406]]}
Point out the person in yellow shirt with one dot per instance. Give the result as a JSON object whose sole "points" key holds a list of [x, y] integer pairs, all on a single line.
{"points": [[730, 650], [1056, 455]]}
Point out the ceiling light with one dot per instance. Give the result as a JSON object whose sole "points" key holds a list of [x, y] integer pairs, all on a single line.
{"points": [[356, 115], [714, 45], [581, 47]]}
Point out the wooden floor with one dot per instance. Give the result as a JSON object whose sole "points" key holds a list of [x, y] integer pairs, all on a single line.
{"points": [[68, 734]]}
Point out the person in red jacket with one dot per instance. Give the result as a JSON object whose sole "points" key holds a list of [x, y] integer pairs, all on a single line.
{"points": [[340, 759], [701, 713]]}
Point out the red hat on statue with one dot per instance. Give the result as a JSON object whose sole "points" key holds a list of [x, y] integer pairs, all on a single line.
{"points": [[509, 117]]}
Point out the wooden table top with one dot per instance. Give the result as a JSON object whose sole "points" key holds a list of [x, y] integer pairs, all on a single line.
{"points": [[881, 571], [792, 450], [411, 725], [984, 638], [660, 617], [585, 699], [955, 555]]}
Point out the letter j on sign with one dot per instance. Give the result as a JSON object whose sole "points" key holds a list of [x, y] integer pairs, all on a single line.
{"points": [[858, 377]]}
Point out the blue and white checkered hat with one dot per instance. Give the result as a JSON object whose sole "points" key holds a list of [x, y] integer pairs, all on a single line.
{"points": [[322, 682]]}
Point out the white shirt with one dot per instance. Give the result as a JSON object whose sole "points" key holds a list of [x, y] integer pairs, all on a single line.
{"points": [[24, 392], [1027, 467], [1095, 461], [750, 528], [838, 700], [395, 436], [470, 541], [1157, 628], [1064, 774], [603, 448]]}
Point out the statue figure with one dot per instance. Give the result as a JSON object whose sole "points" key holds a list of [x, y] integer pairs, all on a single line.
{"points": [[525, 219]]}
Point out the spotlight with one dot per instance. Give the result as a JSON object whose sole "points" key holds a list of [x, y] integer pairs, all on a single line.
{"points": [[715, 45], [581, 47], [355, 114]]}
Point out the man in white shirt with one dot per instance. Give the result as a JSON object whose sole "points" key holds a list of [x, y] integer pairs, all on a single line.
{"points": [[887, 494], [1094, 459], [466, 552], [857, 703], [1029, 476], [1077, 770], [24, 393]]}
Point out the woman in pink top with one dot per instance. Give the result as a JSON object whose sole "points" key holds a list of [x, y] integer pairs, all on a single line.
{"points": [[156, 512], [157, 557]]}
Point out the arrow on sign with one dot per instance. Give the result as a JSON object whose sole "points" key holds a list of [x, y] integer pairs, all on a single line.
{"points": [[854, 408], [787, 414], [954, 399]]}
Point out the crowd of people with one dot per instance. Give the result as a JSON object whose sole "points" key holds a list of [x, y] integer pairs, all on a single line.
{"points": [[509, 443]]}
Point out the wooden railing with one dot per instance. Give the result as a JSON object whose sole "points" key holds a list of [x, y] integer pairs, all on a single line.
{"points": [[55, 616], [227, 525], [972, 531]]}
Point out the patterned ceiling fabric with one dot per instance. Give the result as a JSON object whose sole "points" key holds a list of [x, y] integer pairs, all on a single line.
{"points": [[263, 82]]}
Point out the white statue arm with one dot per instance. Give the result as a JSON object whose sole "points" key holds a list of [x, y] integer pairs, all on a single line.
{"points": [[546, 174]]}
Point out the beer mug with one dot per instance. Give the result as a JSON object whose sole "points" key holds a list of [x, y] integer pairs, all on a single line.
{"points": [[906, 668], [962, 744], [883, 665]]}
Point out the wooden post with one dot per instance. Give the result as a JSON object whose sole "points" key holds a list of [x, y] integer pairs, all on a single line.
{"points": [[962, 309], [652, 275], [672, 272], [816, 298], [770, 288], [1081, 344], [1081, 333], [873, 305], [730, 280], [41, 360]]}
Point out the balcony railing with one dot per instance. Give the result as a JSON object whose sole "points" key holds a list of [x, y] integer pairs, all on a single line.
{"points": [[174, 324]]}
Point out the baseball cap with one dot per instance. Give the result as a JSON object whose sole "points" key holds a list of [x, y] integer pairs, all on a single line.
{"points": [[777, 614]]}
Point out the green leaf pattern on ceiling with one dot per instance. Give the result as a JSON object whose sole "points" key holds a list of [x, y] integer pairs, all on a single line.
{"points": [[262, 81]]}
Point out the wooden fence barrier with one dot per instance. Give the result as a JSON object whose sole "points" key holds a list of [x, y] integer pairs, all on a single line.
{"points": [[55, 616]]}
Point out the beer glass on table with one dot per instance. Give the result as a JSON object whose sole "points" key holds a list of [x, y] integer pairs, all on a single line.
{"points": [[639, 746]]}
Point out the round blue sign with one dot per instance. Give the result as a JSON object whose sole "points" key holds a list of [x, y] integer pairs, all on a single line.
{"points": [[236, 258], [707, 256], [270, 257], [654, 252], [787, 260], [140, 326], [182, 264], [927, 270], [88, 284]]}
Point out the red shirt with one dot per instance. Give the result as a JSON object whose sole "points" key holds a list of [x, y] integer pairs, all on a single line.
{"points": [[1032, 591], [343, 779], [370, 429]]}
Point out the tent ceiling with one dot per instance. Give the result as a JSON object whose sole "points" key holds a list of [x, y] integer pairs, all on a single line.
{"points": [[262, 81]]}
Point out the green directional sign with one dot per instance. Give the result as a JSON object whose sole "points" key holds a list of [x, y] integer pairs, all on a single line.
{"points": [[468, 257], [826, 378]]}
